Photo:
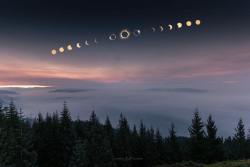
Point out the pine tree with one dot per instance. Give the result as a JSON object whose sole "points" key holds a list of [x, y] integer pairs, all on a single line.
{"points": [[173, 146], [160, 150], [211, 129], [134, 142], [150, 148], [15, 150], [79, 155], [98, 148], [143, 144], [12, 119], [197, 138], [123, 148], [240, 140], [228, 149], [214, 150], [47, 141], [94, 121], [66, 135], [38, 136], [2, 115], [240, 135], [110, 131]]}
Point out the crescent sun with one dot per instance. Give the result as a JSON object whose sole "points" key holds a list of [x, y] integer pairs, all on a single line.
{"points": [[162, 29], [95, 41], [170, 26], [87, 43], [112, 37], [78, 45], [137, 32], [153, 29]]}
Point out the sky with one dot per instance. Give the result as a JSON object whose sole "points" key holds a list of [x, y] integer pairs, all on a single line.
{"points": [[158, 77]]}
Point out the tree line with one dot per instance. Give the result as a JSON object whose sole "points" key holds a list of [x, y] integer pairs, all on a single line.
{"points": [[57, 140]]}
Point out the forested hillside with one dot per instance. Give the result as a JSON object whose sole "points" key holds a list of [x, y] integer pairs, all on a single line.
{"points": [[55, 140]]}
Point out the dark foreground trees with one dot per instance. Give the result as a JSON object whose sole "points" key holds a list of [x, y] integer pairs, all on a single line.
{"points": [[15, 144], [56, 140]]}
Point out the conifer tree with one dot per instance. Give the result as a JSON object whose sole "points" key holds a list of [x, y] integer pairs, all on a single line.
{"points": [[2, 115], [197, 138], [160, 152], [174, 148], [123, 148], [142, 145], [12, 119], [240, 140], [98, 149], [14, 150], [134, 142], [150, 148], [240, 135], [66, 135], [211, 129], [79, 155], [214, 150], [110, 131]]}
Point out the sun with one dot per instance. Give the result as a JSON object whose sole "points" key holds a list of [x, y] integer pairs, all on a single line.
{"points": [[53, 52], [198, 22], [179, 25], [61, 49], [189, 23]]}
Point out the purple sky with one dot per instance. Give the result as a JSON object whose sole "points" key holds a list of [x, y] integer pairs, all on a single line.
{"points": [[158, 77]]}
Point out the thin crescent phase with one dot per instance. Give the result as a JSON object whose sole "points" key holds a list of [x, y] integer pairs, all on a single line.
{"points": [[95, 41], [86, 43], [170, 26], [137, 32], [112, 37], [153, 29], [78, 45], [161, 28]]}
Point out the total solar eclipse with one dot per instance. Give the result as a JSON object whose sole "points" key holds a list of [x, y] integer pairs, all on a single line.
{"points": [[124, 34]]}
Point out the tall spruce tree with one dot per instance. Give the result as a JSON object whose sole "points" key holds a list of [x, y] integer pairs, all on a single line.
{"points": [[240, 140], [2, 115], [214, 151], [134, 142], [66, 135], [79, 155], [143, 145], [109, 131], [240, 135], [98, 148], [123, 148], [14, 151], [150, 148], [160, 149], [174, 148], [197, 138]]}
